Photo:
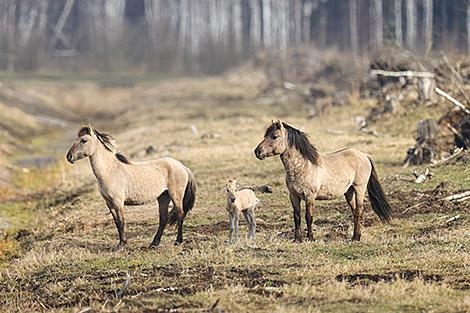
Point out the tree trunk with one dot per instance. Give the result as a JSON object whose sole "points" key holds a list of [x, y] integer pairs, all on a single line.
{"points": [[323, 23], [398, 22], [411, 24], [428, 31], [11, 51], [353, 27], [377, 29], [468, 27]]}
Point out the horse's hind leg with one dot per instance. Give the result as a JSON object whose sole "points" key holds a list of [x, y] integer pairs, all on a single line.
{"points": [[163, 203], [248, 222], [355, 199], [252, 224]]}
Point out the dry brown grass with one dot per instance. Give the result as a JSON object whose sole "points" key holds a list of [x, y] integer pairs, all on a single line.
{"points": [[419, 263]]}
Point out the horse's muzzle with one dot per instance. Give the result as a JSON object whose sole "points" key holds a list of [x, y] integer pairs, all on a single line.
{"points": [[259, 155], [70, 158]]}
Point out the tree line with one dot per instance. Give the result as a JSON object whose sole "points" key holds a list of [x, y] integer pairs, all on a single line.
{"points": [[210, 35]]}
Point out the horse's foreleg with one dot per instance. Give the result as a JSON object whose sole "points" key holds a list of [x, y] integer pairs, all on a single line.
{"points": [[359, 193], [309, 209], [295, 201], [163, 202], [121, 225], [118, 221]]}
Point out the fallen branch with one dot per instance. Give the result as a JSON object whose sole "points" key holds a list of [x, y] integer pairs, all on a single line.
{"points": [[458, 196], [412, 207], [453, 218], [402, 74], [456, 153], [451, 99], [463, 199]]}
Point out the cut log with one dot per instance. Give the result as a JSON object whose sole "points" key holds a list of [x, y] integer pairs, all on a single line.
{"points": [[425, 149]]}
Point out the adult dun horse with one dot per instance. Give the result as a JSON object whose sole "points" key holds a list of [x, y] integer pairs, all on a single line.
{"points": [[122, 182], [313, 176]]}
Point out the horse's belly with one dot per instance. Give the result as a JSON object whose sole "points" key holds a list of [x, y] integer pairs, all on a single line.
{"points": [[329, 192], [142, 195]]}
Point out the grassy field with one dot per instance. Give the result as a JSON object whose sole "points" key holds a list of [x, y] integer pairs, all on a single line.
{"points": [[57, 255]]}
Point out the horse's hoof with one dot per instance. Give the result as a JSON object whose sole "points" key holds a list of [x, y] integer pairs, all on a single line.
{"points": [[119, 247], [356, 238], [177, 243], [154, 245], [298, 240]]}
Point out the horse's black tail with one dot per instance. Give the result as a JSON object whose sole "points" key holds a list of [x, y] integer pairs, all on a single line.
{"points": [[377, 196], [188, 200]]}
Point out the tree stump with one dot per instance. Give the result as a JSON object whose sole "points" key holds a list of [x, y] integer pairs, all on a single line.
{"points": [[426, 87], [425, 149]]}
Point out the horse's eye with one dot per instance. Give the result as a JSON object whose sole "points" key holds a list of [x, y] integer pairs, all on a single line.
{"points": [[83, 140], [274, 136]]}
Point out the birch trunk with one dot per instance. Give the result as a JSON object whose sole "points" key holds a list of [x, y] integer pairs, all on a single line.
{"points": [[428, 27], [353, 27], [377, 29], [411, 24], [398, 22]]}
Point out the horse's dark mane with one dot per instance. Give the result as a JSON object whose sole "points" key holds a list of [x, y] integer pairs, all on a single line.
{"points": [[107, 140], [298, 140], [122, 158]]}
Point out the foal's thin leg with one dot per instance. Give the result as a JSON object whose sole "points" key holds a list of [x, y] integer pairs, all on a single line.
{"points": [[295, 201], [163, 202], [231, 221], [251, 217], [309, 209], [248, 222], [235, 221], [357, 212]]}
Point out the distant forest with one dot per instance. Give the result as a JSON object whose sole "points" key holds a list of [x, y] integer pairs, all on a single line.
{"points": [[211, 35]]}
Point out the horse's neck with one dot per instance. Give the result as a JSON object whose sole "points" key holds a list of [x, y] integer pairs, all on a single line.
{"points": [[294, 163], [103, 162]]}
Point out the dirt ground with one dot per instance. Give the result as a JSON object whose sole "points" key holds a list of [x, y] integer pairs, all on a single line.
{"points": [[57, 255]]}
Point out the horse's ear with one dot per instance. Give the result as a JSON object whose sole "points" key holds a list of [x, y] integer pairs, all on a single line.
{"points": [[85, 130], [91, 129], [279, 124]]}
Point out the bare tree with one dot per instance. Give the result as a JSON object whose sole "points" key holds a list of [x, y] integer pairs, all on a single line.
{"points": [[377, 29], [428, 31], [398, 22], [323, 23], [411, 23], [468, 26], [353, 27]]}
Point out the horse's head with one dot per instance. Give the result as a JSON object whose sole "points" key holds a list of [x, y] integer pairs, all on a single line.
{"points": [[84, 146], [231, 187], [274, 142]]}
